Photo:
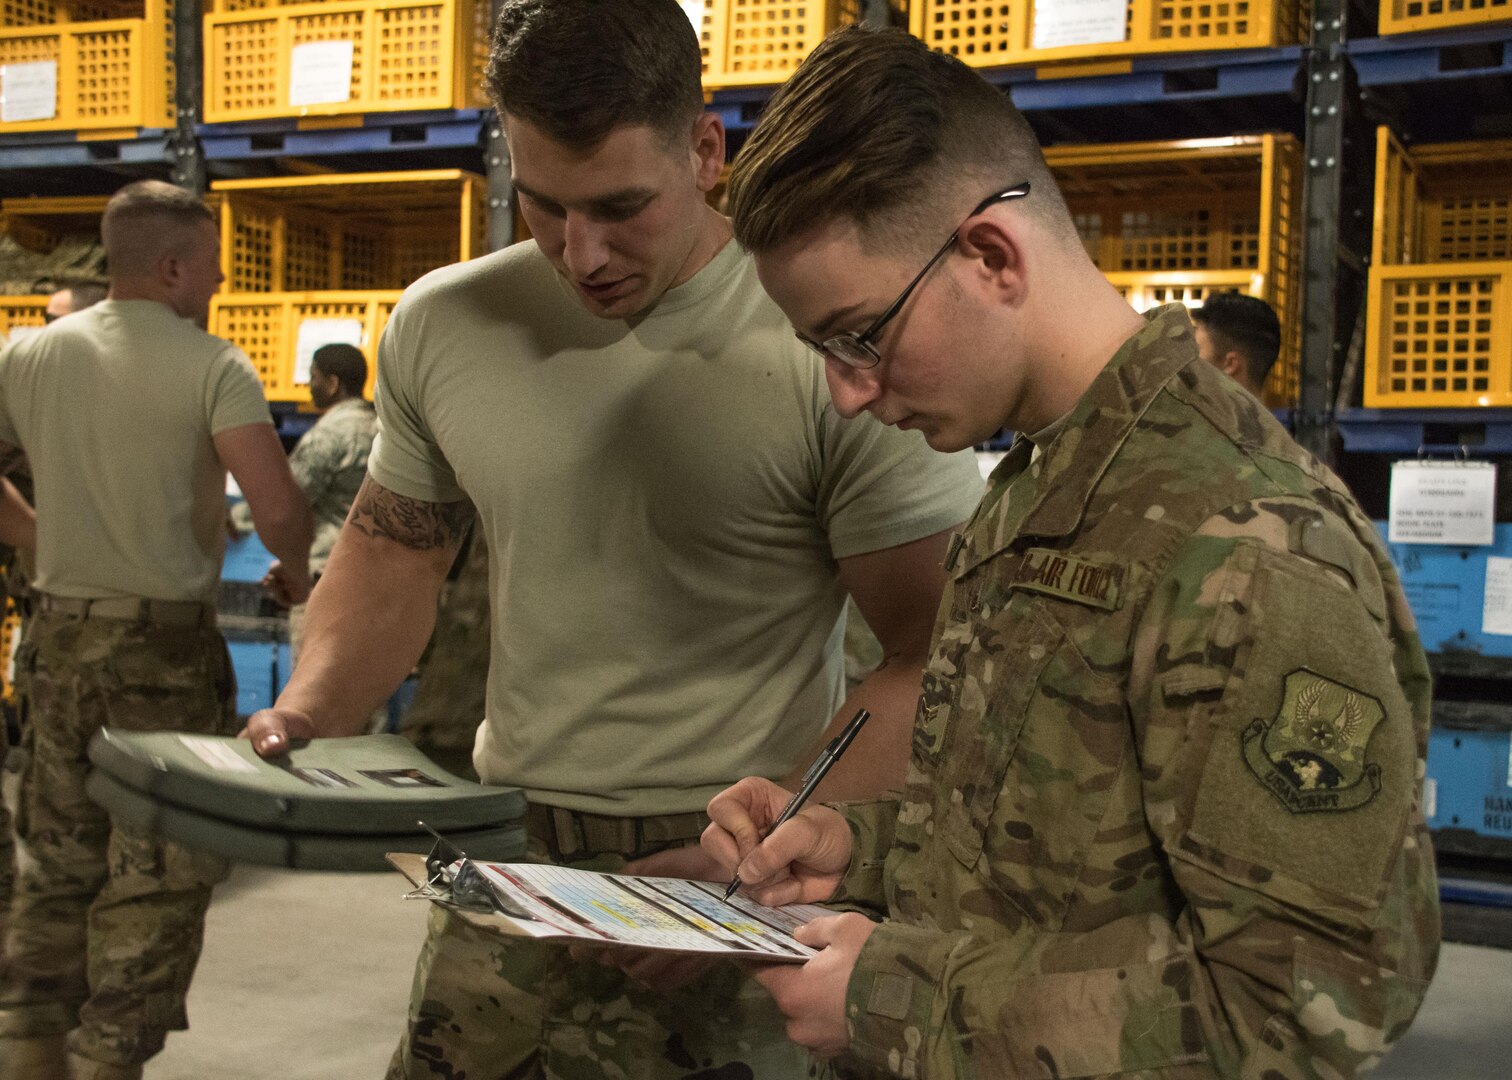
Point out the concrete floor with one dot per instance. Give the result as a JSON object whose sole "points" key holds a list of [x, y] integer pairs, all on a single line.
{"points": [[306, 976]]}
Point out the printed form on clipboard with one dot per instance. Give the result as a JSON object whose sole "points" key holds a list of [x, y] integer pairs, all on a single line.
{"points": [[560, 904]]}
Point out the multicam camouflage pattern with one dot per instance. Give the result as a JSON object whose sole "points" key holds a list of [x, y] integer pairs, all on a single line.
{"points": [[488, 1008], [1087, 874], [329, 464], [106, 924]]}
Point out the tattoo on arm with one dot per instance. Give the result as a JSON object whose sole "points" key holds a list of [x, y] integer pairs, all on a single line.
{"points": [[423, 526]]}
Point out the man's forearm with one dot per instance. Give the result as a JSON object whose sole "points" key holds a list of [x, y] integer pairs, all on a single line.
{"points": [[289, 536], [369, 620], [18, 521], [878, 759]]}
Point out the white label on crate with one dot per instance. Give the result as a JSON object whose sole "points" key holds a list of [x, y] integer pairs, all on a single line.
{"points": [[694, 10], [1430, 798], [320, 73], [1443, 502], [1496, 616], [218, 756], [28, 91], [1079, 22], [313, 333]]}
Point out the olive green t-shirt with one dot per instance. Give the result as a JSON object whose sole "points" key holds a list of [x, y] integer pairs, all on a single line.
{"points": [[116, 407], [664, 500]]}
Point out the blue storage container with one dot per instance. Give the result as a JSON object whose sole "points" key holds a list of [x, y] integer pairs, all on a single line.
{"points": [[1469, 784], [1446, 587]]}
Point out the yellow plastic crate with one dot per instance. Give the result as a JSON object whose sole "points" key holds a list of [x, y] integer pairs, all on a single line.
{"points": [[406, 55], [333, 247], [1410, 16], [1002, 33], [10, 641], [21, 311], [1174, 222], [1439, 331], [266, 327], [114, 62], [762, 42]]}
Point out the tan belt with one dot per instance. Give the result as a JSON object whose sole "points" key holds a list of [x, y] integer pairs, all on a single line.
{"points": [[155, 612], [575, 834]]}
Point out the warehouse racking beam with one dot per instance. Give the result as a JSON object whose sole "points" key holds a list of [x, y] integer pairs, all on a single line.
{"points": [[188, 61], [373, 133], [1410, 431], [1470, 52]]}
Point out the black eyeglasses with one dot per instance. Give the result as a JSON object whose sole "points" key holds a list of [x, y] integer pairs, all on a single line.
{"points": [[856, 350]]}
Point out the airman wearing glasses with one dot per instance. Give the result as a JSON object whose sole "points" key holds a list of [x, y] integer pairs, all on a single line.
{"points": [[1162, 816]]}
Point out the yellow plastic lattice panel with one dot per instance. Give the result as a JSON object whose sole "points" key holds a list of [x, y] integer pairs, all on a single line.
{"points": [[1408, 16], [988, 34], [267, 328], [406, 55], [112, 63], [1173, 222], [10, 640], [1438, 336], [21, 311], [360, 231], [762, 42]]}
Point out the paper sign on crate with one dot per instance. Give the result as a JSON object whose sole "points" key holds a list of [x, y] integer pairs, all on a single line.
{"points": [[313, 333], [28, 91], [320, 73], [1496, 611], [1079, 22], [694, 10], [1443, 502]]}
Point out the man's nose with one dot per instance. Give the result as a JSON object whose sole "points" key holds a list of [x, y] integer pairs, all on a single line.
{"points": [[851, 389]]}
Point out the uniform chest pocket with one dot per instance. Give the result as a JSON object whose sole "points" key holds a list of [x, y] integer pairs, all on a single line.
{"points": [[986, 716]]}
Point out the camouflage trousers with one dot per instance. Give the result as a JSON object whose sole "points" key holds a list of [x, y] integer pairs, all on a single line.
{"points": [[106, 924], [490, 1008]]}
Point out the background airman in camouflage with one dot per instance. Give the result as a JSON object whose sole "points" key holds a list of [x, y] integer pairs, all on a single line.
{"points": [[1163, 812]]}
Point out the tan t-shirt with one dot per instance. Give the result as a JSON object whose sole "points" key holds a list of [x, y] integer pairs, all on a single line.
{"points": [[115, 407], [664, 501]]}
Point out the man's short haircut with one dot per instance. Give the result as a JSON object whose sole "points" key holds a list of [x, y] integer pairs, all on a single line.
{"points": [[86, 294], [1246, 325], [877, 128], [346, 362], [579, 69], [146, 219]]}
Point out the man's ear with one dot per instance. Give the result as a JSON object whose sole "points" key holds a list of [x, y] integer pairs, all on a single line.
{"points": [[1233, 366], [708, 150], [996, 253]]}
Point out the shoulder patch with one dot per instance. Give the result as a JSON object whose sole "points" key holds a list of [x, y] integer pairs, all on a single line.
{"points": [[1071, 577], [1311, 756]]}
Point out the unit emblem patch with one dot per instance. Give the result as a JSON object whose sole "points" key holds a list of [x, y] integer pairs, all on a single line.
{"points": [[1312, 755]]}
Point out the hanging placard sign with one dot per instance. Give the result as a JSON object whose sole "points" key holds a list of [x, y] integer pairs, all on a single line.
{"points": [[313, 333], [28, 91], [320, 73], [1079, 22], [1443, 502]]}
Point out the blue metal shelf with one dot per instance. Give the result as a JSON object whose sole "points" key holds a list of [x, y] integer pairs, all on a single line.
{"points": [[376, 133], [63, 149], [1405, 431], [1163, 78], [1469, 53]]}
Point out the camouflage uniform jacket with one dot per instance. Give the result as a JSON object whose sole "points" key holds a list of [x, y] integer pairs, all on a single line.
{"points": [[329, 465], [1162, 816]]}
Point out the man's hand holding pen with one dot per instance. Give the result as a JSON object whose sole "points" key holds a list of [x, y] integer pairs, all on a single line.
{"points": [[802, 861]]}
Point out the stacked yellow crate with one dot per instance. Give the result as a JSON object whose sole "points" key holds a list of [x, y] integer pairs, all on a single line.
{"points": [[102, 68], [1410, 16], [1013, 32], [55, 238], [1440, 301], [313, 258], [330, 58], [1174, 222]]}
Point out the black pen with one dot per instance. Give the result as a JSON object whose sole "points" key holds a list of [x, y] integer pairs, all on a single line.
{"points": [[827, 757]]}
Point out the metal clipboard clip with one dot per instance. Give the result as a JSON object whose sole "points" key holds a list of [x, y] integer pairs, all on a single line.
{"points": [[454, 880]]}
